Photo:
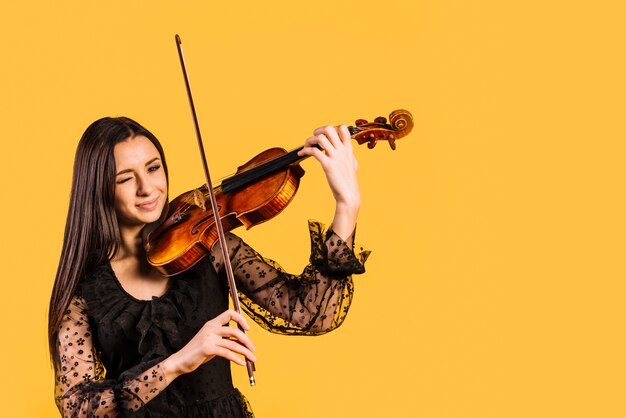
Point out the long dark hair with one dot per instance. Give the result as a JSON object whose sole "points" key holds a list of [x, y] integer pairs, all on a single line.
{"points": [[92, 234]]}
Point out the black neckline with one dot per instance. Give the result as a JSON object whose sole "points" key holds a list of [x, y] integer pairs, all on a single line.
{"points": [[124, 291]]}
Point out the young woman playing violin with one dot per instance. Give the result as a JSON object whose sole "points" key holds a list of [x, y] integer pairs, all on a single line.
{"points": [[126, 339]]}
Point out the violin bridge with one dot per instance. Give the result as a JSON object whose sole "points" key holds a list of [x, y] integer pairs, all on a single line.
{"points": [[199, 200]]}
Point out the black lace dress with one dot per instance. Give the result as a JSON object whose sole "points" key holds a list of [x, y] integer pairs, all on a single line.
{"points": [[110, 344]]}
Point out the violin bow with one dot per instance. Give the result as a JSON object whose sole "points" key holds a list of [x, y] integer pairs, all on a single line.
{"points": [[218, 221]]}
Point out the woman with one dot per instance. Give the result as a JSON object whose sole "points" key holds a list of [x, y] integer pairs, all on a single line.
{"points": [[126, 340]]}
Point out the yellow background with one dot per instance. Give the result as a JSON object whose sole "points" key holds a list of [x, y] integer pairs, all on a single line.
{"points": [[496, 282]]}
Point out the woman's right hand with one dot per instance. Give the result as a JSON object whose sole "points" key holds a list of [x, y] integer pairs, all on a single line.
{"points": [[213, 339]]}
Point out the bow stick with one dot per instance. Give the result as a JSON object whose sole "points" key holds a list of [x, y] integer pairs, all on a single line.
{"points": [[218, 222]]}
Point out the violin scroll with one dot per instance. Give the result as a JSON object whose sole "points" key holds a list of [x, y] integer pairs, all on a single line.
{"points": [[400, 124]]}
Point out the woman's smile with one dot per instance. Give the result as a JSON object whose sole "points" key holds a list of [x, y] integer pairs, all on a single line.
{"points": [[149, 205]]}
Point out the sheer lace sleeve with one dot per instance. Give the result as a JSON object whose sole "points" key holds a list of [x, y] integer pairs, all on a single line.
{"points": [[312, 303], [82, 389]]}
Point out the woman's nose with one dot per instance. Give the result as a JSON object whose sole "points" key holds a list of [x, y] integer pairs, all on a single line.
{"points": [[144, 186]]}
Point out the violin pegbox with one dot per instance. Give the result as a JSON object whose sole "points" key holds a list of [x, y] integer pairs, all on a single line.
{"points": [[400, 124]]}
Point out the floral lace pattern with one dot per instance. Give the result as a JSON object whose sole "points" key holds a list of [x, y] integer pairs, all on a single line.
{"points": [[104, 324], [312, 303], [81, 390]]}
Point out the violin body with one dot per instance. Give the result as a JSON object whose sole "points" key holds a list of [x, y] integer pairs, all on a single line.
{"points": [[189, 232], [259, 190]]}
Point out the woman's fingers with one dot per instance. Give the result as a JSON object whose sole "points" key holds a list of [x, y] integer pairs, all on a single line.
{"points": [[336, 144], [345, 136], [229, 355], [232, 342], [235, 347], [231, 332], [215, 339], [312, 152], [338, 135], [322, 141], [329, 132], [337, 160], [230, 315]]}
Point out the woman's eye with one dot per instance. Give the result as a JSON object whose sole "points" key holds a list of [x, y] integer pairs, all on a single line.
{"points": [[124, 180], [154, 168]]}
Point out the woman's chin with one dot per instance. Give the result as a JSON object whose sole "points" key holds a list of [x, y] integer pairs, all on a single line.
{"points": [[150, 218]]}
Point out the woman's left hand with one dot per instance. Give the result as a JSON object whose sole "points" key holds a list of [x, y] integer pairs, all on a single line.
{"points": [[340, 166]]}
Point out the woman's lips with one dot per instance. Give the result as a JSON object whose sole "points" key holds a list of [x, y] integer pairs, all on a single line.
{"points": [[150, 205]]}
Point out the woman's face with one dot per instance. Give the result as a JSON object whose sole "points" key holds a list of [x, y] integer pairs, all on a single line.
{"points": [[140, 183]]}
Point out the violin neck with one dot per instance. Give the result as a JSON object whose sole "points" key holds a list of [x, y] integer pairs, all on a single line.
{"points": [[243, 179]]}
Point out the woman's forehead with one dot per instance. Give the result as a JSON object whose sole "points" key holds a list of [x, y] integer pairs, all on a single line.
{"points": [[134, 151]]}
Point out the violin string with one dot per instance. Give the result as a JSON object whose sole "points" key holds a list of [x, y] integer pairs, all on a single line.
{"points": [[184, 207], [244, 175], [248, 175], [266, 162], [352, 129], [252, 174], [179, 210], [274, 162]]}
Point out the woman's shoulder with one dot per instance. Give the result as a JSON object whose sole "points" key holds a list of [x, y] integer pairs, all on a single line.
{"points": [[95, 276], [102, 294]]}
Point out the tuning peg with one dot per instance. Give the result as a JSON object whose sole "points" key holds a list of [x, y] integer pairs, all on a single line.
{"points": [[381, 120], [392, 142], [372, 142], [360, 122]]}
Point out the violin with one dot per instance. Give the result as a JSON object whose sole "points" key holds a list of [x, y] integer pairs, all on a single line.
{"points": [[259, 190]]}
